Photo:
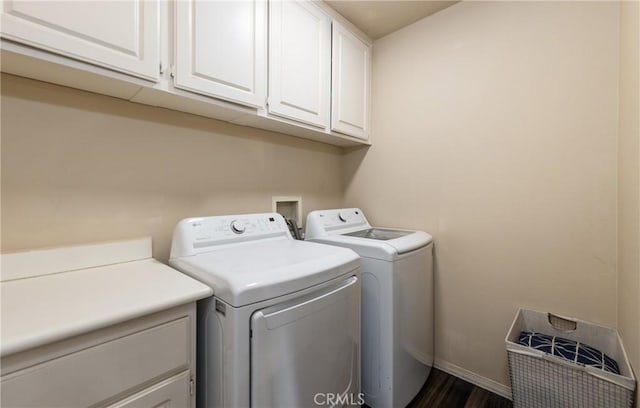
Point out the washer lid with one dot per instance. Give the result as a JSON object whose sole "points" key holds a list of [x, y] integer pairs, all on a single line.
{"points": [[348, 227], [251, 272], [380, 234], [388, 250]]}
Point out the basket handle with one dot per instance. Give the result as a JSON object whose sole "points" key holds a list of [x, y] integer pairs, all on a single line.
{"points": [[561, 323]]}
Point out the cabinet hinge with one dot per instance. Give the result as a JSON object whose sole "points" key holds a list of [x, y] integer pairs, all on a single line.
{"points": [[161, 69], [191, 387], [173, 71]]}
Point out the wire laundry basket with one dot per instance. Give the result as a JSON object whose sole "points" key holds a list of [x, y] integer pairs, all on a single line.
{"points": [[540, 380]]}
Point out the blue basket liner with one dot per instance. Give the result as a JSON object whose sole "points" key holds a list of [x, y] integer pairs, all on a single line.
{"points": [[569, 350]]}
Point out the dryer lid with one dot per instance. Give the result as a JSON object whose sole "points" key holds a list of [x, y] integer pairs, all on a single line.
{"points": [[255, 271]]}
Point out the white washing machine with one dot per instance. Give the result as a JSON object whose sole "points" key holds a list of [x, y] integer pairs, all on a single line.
{"points": [[284, 322], [397, 302]]}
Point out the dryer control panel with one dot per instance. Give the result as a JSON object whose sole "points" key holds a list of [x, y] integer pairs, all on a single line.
{"points": [[197, 235]]}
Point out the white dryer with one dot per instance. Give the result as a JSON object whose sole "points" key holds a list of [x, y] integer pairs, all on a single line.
{"points": [[284, 322], [397, 302]]}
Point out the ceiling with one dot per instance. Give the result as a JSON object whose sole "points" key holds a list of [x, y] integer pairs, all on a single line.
{"points": [[379, 18]]}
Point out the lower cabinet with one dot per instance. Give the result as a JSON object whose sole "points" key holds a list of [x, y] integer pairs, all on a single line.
{"points": [[144, 363], [173, 392]]}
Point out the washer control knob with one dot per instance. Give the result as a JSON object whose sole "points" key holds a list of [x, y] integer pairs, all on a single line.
{"points": [[238, 227], [342, 217]]}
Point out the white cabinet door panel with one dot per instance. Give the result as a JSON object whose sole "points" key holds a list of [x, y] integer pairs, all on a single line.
{"points": [[299, 62], [94, 374], [170, 393], [350, 84], [221, 49], [119, 35]]}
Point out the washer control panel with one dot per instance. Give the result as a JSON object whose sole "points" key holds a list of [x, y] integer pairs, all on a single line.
{"points": [[345, 218]]}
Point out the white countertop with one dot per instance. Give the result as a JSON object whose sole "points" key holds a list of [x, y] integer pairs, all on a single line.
{"points": [[46, 308]]}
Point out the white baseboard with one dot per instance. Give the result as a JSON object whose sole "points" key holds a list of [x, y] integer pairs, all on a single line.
{"points": [[473, 378]]}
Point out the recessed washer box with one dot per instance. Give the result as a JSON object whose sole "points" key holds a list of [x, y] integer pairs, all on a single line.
{"points": [[290, 207]]}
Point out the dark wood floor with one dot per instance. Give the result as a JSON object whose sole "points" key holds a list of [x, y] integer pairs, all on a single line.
{"points": [[446, 391]]}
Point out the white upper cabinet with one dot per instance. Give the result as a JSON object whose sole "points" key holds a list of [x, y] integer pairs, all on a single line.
{"points": [[350, 84], [221, 49], [289, 66], [299, 62], [119, 35]]}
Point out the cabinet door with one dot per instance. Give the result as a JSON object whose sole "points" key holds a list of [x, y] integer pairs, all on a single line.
{"points": [[124, 363], [221, 49], [172, 392], [350, 84], [299, 62], [120, 35]]}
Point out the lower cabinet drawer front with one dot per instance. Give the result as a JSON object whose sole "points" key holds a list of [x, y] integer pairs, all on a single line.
{"points": [[95, 374], [170, 393]]}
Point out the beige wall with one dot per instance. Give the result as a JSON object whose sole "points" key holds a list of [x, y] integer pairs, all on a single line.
{"points": [[79, 167], [495, 129], [629, 183]]}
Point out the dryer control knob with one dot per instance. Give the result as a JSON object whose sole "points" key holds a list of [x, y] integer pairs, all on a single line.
{"points": [[238, 226], [342, 217]]}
